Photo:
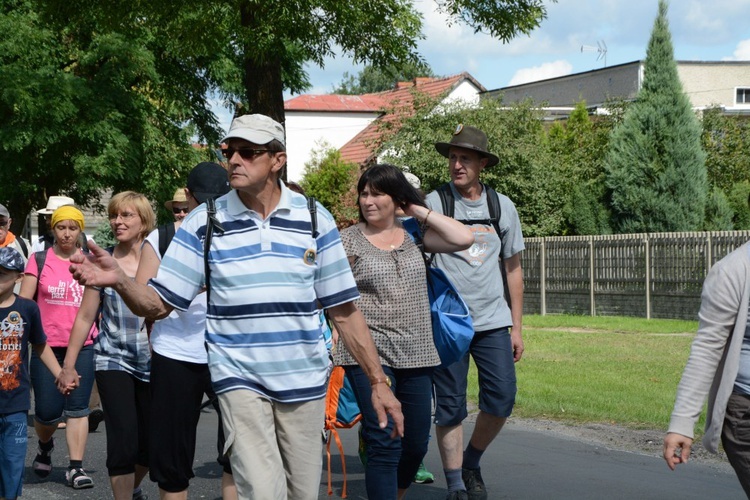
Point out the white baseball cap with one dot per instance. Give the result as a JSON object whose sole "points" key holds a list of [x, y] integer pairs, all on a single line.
{"points": [[258, 129]]}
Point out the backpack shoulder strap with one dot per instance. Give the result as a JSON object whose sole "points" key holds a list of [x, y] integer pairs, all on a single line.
{"points": [[313, 208], [166, 233], [40, 257], [24, 248], [85, 243], [493, 203], [447, 200], [212, 224]]}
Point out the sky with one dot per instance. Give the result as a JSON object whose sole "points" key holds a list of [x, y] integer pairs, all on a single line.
{"points": [[702, 30]]}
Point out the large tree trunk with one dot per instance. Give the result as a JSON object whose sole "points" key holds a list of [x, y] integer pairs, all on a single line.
{"points": [[263, 86]]}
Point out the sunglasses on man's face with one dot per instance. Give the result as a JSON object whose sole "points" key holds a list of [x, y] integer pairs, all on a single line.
{"points": [[248, 154], [179, 210], [4, 223]]}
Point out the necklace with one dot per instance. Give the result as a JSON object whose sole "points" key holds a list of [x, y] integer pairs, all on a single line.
{"points": [[386, 242]]}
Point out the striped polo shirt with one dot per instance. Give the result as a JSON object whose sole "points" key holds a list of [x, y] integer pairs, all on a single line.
{"points": [[267, 277]]}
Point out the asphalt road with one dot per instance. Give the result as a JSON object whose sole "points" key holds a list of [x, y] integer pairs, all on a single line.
{"points": [[522, 464]]}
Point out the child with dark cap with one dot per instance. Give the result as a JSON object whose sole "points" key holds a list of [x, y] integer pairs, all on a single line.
{"points": [[20, 325]]}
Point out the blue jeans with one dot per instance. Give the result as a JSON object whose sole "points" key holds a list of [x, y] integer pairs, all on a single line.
{"points": [[392, 463], [13, 439], [49, 404]]}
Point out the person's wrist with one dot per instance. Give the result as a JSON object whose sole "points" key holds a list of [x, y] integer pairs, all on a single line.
{"points": [[380, 380]]}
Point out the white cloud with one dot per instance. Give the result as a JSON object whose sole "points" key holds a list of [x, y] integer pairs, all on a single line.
{"points": [[742, 52], [541, 72]]}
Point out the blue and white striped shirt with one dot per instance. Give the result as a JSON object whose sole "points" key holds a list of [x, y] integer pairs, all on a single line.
{"points": [[267, 276]]}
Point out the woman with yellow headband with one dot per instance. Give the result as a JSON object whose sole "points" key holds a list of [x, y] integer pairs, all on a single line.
{"points": [[59, 298]]}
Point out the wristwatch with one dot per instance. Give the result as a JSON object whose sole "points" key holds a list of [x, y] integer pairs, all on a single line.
{"points": [[386, 381]]}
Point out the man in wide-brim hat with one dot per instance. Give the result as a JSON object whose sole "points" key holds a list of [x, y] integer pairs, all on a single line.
{"points": [[497, 342]]}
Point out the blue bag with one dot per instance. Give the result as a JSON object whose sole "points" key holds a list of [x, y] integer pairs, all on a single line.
{"points": [[452, 328]]}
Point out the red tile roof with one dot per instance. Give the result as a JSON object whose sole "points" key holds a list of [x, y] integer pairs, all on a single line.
{"points": [[391, 104]]}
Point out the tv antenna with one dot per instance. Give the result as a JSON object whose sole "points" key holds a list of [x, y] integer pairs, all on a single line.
{"points": [[600, 47]]}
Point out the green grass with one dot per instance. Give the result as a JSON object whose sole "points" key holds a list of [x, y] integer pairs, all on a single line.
{"points": [[612, 370]]}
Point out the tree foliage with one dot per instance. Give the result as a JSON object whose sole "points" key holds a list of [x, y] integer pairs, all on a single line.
{"points": [[726, 140], [372, 79], [83, 111], [655, 167], [268, 43], [525, 174], [333, 182]]}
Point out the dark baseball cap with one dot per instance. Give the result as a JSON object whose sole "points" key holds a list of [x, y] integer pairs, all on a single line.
{"points": [[207, 180], [11, 260]]}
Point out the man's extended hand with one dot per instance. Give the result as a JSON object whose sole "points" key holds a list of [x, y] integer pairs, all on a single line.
{"points": [[98, 268], [673, 442], [385, 403]]}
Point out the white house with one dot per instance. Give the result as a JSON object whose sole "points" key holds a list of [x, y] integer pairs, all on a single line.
{"points": [[348, 122]]}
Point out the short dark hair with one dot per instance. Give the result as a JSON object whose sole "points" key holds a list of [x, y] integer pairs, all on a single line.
{"points": [[388, 179]]}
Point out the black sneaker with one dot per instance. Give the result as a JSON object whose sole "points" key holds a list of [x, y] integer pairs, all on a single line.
{"points": [[43, 462], [474, 485], [95, 418], [140, 496]]}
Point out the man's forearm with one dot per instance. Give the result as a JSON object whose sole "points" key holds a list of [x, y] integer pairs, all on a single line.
{"points": [[142, 299], [351, 325]]}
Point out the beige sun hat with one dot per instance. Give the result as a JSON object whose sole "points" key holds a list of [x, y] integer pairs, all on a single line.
{"points": [[55, 202], [178, 197]]}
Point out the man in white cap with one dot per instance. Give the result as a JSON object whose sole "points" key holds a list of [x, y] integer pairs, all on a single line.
{"points": [[45, 239], [269, 275]]}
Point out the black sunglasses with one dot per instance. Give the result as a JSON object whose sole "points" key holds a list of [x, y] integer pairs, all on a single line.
{"points": [[177, 210], [248, 154]]}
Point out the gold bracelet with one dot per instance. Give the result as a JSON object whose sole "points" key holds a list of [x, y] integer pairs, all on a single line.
{"points": [[427, 217]]}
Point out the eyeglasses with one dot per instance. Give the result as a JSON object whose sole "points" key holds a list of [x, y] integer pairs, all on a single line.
{"points": [[4, 223], [179, 210], [248, 154], [125, 216]]}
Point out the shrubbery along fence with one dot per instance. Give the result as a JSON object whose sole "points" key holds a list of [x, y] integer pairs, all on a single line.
{"points": [[654, 275]]}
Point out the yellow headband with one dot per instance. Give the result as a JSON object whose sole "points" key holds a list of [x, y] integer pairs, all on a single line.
{"points": [[67, 213]]}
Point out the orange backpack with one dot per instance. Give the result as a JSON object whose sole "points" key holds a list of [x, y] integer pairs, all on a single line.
{"points": [[342, 412]]}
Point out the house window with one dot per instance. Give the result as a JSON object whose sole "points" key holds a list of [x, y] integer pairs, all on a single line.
{"points": [[743, 95]]}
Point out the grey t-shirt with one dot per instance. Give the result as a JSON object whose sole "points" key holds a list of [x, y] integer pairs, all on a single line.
{"points": [[475, 272], [742, 382]]}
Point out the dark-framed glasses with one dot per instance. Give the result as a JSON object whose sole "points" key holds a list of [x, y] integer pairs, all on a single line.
{"points": [[179, 210], [248, 154], [4, 223]]}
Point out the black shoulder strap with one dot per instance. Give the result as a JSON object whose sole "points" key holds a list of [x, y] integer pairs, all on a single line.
{"points": [[313, 208], [493, 203], [166, 233], [447, 200], [85, 242], [23, 246], [212, 224], [40, 257]]}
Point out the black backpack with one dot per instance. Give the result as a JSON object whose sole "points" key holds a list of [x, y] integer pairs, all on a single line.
{"points": [[166, 233], [448, 203]]}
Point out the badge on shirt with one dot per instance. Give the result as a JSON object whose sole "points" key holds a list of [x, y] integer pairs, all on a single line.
{"points": [[309, 257]]}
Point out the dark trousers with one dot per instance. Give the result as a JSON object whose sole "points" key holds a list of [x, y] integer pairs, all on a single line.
{"points": [[735, 436], [125, 400], [177, 389], [392, 463]]}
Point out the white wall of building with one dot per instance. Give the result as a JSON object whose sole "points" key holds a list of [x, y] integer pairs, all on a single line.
{"points": [[306, 130]]}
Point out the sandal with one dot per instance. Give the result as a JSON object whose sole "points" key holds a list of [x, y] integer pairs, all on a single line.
{"points": [[78, 479], [43, 462]]}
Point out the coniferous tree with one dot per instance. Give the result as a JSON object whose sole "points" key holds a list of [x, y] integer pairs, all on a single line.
{"points": [[655, 168]]}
